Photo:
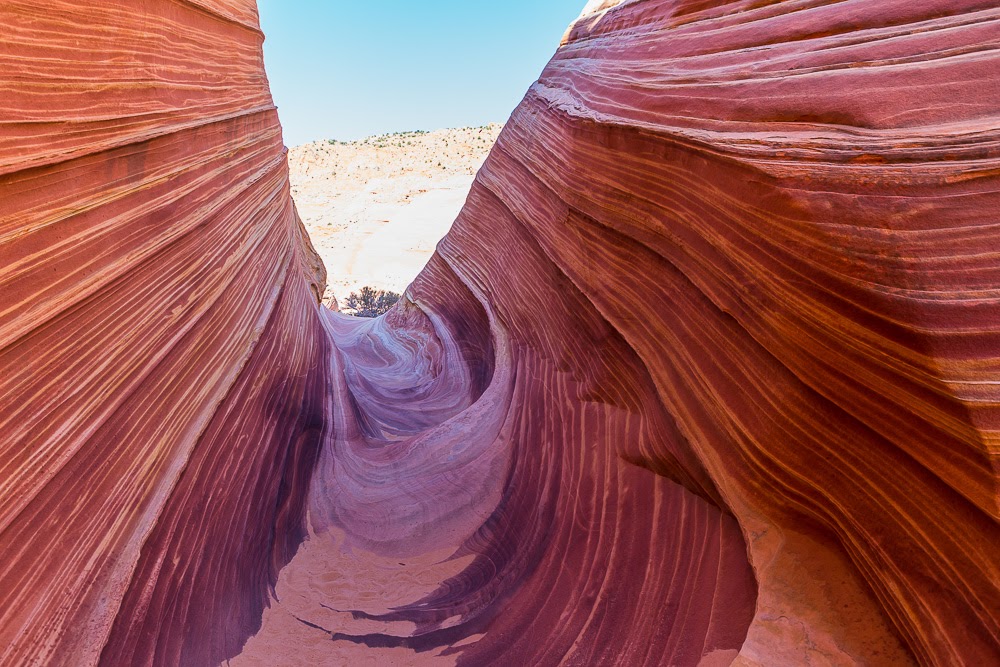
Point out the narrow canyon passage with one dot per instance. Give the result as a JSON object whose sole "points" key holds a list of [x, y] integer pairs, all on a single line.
{"points": [[433, 474], [704, 373]]}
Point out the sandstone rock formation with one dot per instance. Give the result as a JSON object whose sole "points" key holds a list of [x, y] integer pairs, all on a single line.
{"points": [[706, 371]]}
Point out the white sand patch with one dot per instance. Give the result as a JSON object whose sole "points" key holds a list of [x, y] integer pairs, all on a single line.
{"points": [[376, 208]]}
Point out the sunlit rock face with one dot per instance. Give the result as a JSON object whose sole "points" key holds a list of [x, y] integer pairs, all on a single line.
{"points": [[706, 370]]}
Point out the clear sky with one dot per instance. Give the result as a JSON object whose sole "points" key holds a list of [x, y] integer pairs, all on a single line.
{"points": [[344, 69]]}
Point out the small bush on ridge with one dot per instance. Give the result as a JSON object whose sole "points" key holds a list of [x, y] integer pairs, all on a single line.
{"points": [[370, 302]]}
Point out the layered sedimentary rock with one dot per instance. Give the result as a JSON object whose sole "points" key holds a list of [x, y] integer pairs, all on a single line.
{"points": [[706, 370]]}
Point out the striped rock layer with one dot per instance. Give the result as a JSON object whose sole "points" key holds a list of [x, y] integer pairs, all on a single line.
{"points": [[707, 371]]}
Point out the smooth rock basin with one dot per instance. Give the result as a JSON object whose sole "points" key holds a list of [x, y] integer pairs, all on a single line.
{"points": [[705, 373]]}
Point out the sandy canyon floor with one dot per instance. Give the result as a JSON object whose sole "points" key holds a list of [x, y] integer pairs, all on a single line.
{"points": [[376, 208]]}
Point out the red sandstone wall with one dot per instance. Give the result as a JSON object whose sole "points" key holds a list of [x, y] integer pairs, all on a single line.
{"points": [[158, 420], [706, 369]]}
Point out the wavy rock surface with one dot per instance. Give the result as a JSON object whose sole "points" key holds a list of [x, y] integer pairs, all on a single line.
{"points": [[706, 371]]}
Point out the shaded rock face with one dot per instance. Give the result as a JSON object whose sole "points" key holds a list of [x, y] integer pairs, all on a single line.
{"points": [[705, 371]]}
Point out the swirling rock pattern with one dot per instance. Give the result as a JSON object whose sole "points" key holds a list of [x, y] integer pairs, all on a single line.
{"points": [[706, 371]]}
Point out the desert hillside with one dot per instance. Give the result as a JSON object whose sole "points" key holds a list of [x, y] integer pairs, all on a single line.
{"points": [[375, 208]]}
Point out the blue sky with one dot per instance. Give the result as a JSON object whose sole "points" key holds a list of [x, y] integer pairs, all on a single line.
{"points": [[348, 69]]}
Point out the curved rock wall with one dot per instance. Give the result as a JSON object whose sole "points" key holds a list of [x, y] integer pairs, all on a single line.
{"points": [[704, 372], [162, 390]]}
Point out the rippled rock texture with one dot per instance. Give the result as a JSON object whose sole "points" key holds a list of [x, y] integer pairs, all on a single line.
{"points": [[707, 369]]}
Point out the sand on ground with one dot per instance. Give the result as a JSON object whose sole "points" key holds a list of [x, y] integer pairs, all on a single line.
{"points": [[376, 208]]}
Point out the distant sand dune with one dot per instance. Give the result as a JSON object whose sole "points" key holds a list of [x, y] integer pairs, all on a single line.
{"points": [[376, 208]]}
